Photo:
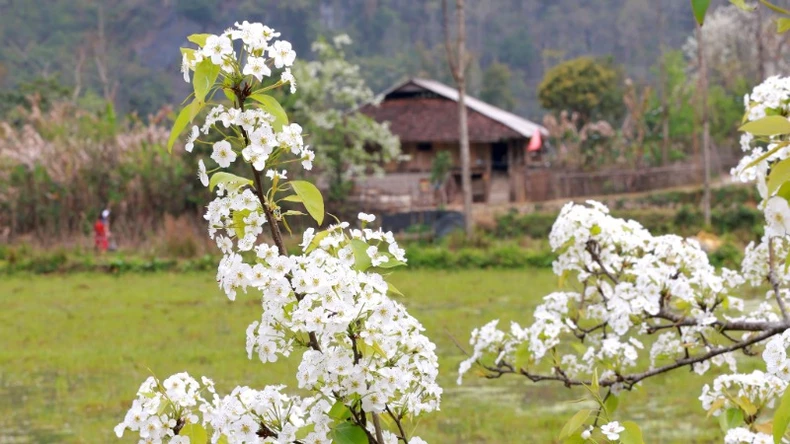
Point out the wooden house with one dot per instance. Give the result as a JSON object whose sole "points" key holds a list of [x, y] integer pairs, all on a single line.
{"points": [[424, 115]]}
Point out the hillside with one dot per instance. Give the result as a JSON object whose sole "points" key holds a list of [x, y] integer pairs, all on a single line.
{"points": [[127, 49]]}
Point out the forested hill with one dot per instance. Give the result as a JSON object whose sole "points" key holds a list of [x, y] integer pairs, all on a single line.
{"points": [[128, 49]]}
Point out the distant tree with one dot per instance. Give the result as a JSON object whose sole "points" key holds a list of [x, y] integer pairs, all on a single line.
{"points": [[496, 87], [348, 143], [588, 86]]}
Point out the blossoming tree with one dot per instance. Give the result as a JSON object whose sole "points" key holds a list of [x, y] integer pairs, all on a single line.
{"points": [[364, 360], [643, 305]]}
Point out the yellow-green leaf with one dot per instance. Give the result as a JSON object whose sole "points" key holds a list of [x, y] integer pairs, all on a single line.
{"points": [[231, 182], [781, 418], [238, 222], [778, 176], [611, 404], [392, 290], [311, 198], [632, 434], [700, 7], [273, 107], [574, 423], [292, 198], [184, 118], [196, 433], [767, 126], [741, 4], [205, 76], [199, 39], [782, 25]]}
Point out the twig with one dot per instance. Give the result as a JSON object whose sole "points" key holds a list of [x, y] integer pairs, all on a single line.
{"points": [[397, 422], [774, 281]]}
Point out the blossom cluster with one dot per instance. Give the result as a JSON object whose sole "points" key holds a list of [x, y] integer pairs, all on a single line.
{"points": [[261, 52], [759, 388], [361, 352], [629, 283], [772, 97], [162, 409]]}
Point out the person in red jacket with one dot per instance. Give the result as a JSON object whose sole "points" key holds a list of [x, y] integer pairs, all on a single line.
{"points": [[100, 234]]}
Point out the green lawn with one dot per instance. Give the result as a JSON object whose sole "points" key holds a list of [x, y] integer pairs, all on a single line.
{"points": [[73, 350]]}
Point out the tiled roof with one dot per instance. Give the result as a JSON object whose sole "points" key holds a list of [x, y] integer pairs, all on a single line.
{"points": [[434, 117]]}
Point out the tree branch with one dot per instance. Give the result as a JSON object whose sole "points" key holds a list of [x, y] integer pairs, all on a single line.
{"points": [[629, 381]]}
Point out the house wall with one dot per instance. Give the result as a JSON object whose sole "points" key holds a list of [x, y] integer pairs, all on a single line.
{"points": [[421, 160]]}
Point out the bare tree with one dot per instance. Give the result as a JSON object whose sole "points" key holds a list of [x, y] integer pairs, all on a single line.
{"points": [[458, 61], [703, 103]]}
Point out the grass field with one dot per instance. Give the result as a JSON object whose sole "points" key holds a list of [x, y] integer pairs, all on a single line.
{"points": [[73, 350]]}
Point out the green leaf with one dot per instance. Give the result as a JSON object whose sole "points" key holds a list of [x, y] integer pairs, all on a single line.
{"points": [[574, 423], [394, 291], [700, 7], [273, 107], [775, 8], [391, 262], [595, 230], [768, 126], [611, 404], [361, 259], [231, 182], [575, 439], [731, 418], [778, 176], [304, 431], [348, 433], [782, 25], [238, 222], [222, 439], [199, 39], [632, 434], [781, 418], [311, 197], [196, 433], [339, 411], [205, 76], [184, 118], [523, 356], [741, 4]]}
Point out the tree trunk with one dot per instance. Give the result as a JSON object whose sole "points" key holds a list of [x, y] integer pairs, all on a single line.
{"points": [[463, 129], [458, 65], [664, 87], [758, 38], [703, 98]]}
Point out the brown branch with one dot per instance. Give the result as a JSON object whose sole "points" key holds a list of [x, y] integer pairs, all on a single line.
{"points": [[775, 281], [241, 96], [630, 380], [397, 422], [593, 248]]}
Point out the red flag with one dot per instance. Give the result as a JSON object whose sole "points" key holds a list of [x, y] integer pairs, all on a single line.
{"points": [[535, 142]]}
